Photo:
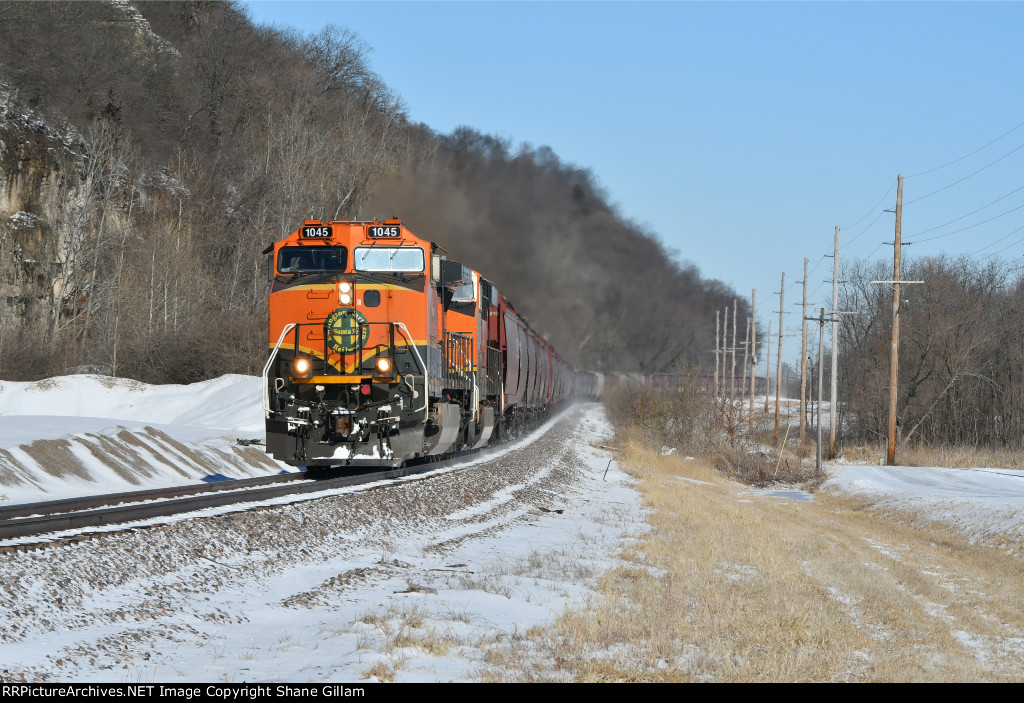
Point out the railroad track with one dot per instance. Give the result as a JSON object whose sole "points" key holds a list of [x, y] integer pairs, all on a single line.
{"points": [[49, 520]]}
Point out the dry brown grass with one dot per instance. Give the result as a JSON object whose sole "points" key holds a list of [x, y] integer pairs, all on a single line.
{"points": [[921, 455], [403, 626], [757, 467], [959, 457], [733, 585], [381, 671]]}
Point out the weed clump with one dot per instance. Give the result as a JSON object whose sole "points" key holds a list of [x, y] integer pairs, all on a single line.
{"points": [[682, 419], [760, 467], [685, 419]]}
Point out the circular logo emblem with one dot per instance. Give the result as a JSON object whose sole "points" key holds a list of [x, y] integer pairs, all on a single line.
{"points": [[343, 330]]}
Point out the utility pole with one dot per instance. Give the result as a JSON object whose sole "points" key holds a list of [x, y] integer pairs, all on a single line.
{"points": [[746, 352], [716, 356], [778, 369], [835, 349], [894, 354], [753, 357], [732, 376], [821, 359], [767, 366], [821, 371], [803, 362], [811, 370], [725, 356]]}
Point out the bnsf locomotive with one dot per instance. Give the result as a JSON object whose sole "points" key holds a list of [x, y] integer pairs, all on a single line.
{"points": [[383, 350]]}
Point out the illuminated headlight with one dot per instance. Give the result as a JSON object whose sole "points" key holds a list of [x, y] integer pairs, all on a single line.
{"points": [[345, 293], [383, 365], [303, 368]]}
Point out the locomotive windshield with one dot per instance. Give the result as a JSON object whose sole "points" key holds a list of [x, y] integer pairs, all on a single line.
{"points": [[397, 259], [312, 259]]}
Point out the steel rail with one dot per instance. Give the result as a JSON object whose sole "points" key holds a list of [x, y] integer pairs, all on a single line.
{"points": [[66, 505], [204, 496]]}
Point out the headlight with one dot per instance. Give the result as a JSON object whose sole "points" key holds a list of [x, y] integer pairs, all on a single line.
{"points": [[303, 368], [383, 366], [345, 293]]}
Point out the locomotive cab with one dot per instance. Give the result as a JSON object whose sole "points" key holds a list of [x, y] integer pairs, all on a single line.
{"points": [[467, 301]]}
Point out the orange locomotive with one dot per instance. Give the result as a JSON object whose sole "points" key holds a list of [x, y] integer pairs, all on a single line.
{"points": [[383, 351]]}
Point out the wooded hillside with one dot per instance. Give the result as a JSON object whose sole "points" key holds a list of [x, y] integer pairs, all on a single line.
{"points": [[150, 152]]}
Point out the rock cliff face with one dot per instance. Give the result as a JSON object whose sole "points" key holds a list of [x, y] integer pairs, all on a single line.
{"points": [[41, 175], [39, 165], [44, 203]]}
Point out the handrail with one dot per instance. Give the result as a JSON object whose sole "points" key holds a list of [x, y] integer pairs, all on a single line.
{"points": [[423, 368], [458, 361], [405, 332], [266, 368]]}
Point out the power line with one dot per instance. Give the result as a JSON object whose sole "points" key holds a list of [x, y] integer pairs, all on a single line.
{"points": [[872, 209], [881, 212], [964, 229], [1019, 262], [961, 180], [874, 250], [932, 229], [797, 283], [988, 256], [815, 267], [967, 155]]}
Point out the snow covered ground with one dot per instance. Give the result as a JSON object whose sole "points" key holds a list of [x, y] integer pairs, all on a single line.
{"points": [[981, 503], [414, 583], [83, 435]]}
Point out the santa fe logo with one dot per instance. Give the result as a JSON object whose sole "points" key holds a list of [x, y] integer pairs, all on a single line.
{"points": [[342, 328]]}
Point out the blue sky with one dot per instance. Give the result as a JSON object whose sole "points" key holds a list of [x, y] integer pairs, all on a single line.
{"points": [[738, 133]]}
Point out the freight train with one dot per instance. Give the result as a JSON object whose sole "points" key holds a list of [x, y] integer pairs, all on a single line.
{"points": [[383, 351]]}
